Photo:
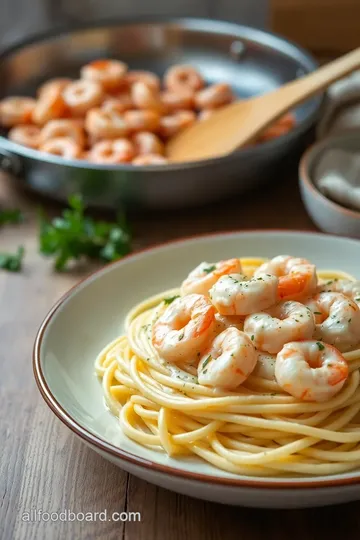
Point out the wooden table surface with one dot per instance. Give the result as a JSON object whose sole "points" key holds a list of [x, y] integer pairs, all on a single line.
{"points": [[44, 467]]}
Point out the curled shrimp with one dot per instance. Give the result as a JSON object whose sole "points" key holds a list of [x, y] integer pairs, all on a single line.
{"points": [[109, 73], [351, 289], [184, 328], [63, 127], [103, 124], [49, 106], [54, 85], [145, 120], [287, 321], [146, 77], [229, 361], [214, 96], [337, 320], [81, 96], [297, 277], [235, 294], [172, 124], [119, 103], [147, 143], [145, 97], [112, 152], [310, 370], [149, 159], [265, 366], [62, 146], [16, 110], [27, 135], [205, 275], [176, 101], [183, 77]]}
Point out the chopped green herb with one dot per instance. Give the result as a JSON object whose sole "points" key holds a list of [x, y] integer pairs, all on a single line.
{"points": [[321, 347], [12, 261], [170, 299], [317, 313], [209, 269], [181, 336], [204, 370], [74, 235], [357, 299], [252, 337], [206, 362], [11, 215]]}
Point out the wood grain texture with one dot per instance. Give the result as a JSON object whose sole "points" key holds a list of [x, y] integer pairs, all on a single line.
{"points": [[44, 466]]}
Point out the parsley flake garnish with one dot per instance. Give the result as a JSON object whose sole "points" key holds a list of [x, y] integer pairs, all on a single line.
{"points": [[209, 269], [170, 299], [321, 347], [206, 362]]}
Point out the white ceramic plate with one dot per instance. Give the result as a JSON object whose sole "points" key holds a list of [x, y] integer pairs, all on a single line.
{"points": [[92, 314]]}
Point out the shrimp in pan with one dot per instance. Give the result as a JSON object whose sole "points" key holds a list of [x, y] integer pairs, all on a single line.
{"points": [[297, 277], [229, 361], [184, 329], [285, 322], [234, 294], [205, 275], [351, 289], [337, 320], [311, 370]]}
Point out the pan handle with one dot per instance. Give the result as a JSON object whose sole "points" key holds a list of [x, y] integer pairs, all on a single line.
{"points": [[9, 163]]}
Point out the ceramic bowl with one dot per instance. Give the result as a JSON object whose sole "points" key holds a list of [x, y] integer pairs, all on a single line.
{"points": [[326, 214], [92, 314]]}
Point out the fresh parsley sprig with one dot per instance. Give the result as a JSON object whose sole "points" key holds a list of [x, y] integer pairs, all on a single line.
{"points": [[11, 216], [12, 261]]}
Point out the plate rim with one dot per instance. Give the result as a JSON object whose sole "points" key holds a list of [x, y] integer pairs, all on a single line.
{"points": [[101, 444]]}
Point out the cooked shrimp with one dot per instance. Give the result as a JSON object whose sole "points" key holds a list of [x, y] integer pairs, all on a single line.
{"points": [[146, 77], [62, 146], [119, 103], [229, 361], [351, 289], [311, 370], [146, 97], [183, 77], [287, 321], [56, 85], [149, 159], [235, 294], [222, 322], [265, 366], [297, 277], [114, 151], [148, 143], [16, 110], [174, 123], [81, 96], [27, 135], [109, 73], [63, 127], [105, 124], [142, 120], [184, 328], [49, 106], [180, 100], [337, 320], [205, 275], [214, 96]]}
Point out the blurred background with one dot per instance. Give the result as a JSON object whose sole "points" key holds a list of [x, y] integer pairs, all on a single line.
{"points": [[326, 27]]}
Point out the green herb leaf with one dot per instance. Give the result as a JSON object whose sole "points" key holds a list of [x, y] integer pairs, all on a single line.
{"points": [[12, 261], [73, 235], [317, 313], [11, 215], [320, 346], [206, 362], [252, 337], [209, 269], [170, 299]]}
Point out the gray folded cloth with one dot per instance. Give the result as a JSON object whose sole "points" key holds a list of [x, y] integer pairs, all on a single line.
{"points": [[337, 174]]}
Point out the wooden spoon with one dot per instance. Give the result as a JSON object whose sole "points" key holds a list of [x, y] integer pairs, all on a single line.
{"points": [[241, 122]]}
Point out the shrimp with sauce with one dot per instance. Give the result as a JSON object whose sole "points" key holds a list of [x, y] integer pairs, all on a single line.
{"points": [[105, 124], [205, 275], [311, 370], [297, 277], [229, 361], [109, 73], [184, 328], [114, 151], [183, 77], [235, 294], [337, 320], [81, 96], [285, 322], [351, 289]]}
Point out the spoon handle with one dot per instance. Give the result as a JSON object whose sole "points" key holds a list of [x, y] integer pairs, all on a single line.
{"points": [[299, 90]]}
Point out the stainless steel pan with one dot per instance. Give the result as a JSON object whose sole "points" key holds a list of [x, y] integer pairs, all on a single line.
{"points": [[252, 61]]}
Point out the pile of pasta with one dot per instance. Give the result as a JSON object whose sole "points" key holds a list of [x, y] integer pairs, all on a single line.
{"points": [[256, 430], [113, 115]]}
